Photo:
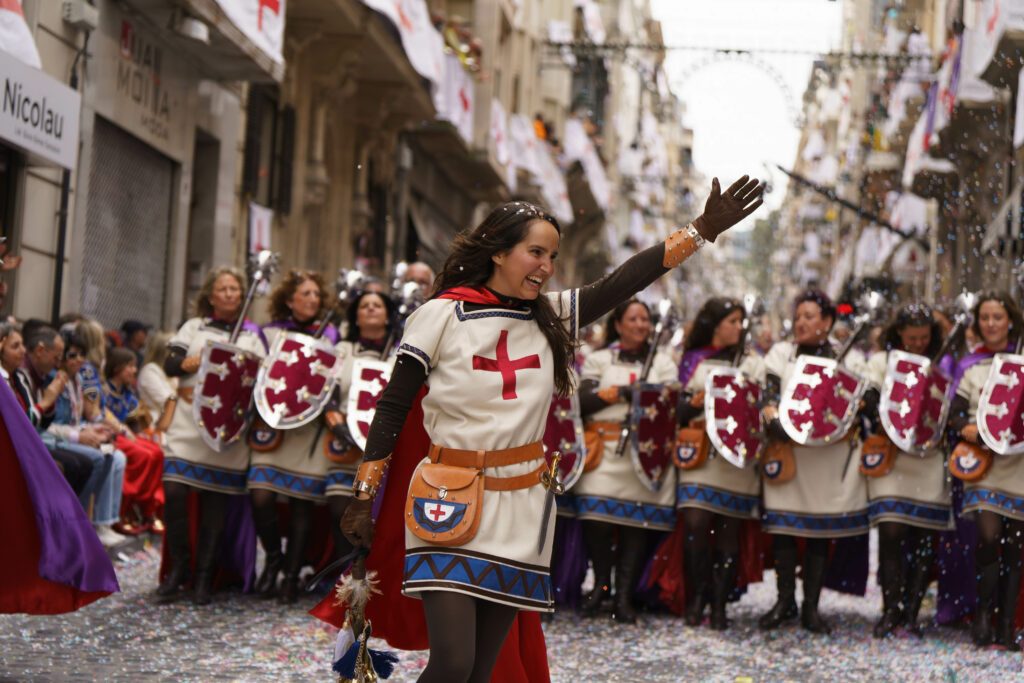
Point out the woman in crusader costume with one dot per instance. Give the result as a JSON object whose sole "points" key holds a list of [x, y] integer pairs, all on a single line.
{"points": [[371, 319], [825, 496], [189, 463], [291, 463], [996, 501], [911, 501], [492, 349], [714, 495], [610, 498]]}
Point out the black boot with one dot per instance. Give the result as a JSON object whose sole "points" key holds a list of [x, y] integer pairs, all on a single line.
{"points": [[917, 586], [697, 572], [599, 547], [631, 545], [814, 579], [266, 584], [1005, 634], [988, 581], [180, 555], [785, 589], [723, 579], [890, 569], [206, 563]]}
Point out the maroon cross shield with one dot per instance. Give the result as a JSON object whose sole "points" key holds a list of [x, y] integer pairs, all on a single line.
{"points": [[733, 416], [295, 380], [564, 433], [223, 398], [915, 402], [653, 422], [369, 377], [1001, 409], [820, 401]]}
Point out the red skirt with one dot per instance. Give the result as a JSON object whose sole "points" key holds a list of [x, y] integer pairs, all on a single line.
{"points": [[143, 476]]}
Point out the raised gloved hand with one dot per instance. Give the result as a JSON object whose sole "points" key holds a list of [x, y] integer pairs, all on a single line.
{"points": [[725, 209], [357, 522], [191, 364]]}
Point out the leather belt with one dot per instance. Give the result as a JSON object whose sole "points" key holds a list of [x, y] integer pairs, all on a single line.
{"points": [[606, 431], [480, 459]]}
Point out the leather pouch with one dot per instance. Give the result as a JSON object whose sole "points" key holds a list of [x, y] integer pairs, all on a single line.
{"points": [[970, 462], [594, 437], [264, 439], [778, 465], [444, 503], [877, 456], [691, 448]]}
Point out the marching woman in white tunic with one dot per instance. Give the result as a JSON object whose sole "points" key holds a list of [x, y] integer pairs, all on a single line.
{"points": [[825, 498], [492, 349], [370, 318], [188, 462], [911, 501], [294, 466], [714, 496], [611, 498], [996, 501]]}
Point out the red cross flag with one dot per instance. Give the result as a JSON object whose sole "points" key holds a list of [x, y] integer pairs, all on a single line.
{"points": [[262, 22], [15, 36]]}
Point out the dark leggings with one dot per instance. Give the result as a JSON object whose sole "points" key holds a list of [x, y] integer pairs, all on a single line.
{"points": [[212, 505], [466, 635], [815, 546], [726, 532], [300, 524], [994, 531], [919, 548]]}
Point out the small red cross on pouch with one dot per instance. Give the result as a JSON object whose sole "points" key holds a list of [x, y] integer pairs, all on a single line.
{"points": [[507, 367], [436, 512]]}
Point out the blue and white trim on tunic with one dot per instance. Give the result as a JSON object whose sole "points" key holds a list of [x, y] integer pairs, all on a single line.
{"points": [[187, 472], [287, 483], [825, 526], [625, 512], [493, 578], [911, 512], [716, 500], [1004, 504]]}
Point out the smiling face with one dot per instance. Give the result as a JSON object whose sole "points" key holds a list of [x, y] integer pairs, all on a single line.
{"points": [[524, 270], [74, 359], [12, 353], [226, 297], [809, 326], [727, 332], [635, 326], [916, 338], [994, 323], [305, 301]]}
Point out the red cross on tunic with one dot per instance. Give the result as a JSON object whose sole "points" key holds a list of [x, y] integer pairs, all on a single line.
{"points": [[507, 367]]}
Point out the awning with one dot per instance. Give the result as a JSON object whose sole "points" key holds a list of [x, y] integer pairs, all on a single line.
{"points": [[40, 116], [466, 168]]}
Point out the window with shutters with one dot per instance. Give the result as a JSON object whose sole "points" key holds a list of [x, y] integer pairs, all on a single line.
{"points": [[269, 149]]}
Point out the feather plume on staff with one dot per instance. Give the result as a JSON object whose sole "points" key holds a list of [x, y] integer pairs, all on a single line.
{"points": [[354, 661]]}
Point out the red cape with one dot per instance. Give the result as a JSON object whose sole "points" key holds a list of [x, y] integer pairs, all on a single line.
{"points": [[398, 619]]}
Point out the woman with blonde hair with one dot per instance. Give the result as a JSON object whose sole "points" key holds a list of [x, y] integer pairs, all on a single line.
{"points": [[156, 390], [189, 463]]}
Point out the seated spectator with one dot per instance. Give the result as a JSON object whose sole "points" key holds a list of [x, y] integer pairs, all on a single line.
{"points": [[134, 336], [92, 334], [75, 468], [72, 430], [158, 392], [142, 499]]}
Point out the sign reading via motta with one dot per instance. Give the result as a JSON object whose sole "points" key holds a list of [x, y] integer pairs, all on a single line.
{"points": [[37, 113], [140, 83]]}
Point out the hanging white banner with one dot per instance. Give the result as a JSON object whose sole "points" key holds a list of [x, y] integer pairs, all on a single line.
{"points": [[423, 44], [262, 22], [260, 220]]}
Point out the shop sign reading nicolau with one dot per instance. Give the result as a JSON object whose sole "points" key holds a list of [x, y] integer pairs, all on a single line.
{"points": [[38, 114], [140, 84]]}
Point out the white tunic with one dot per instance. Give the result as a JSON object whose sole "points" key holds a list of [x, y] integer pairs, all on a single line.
{"points": [[718, 485], [612, 492], [826, 497], [915, 491], [187, 458], [490, 380], [1002, 490]]}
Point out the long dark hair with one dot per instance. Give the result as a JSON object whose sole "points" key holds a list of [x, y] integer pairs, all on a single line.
{"points": [[352, 312], [278, 306], [611, 335], [912, 315], [713, 312], [1004, 300], [469, 265]]}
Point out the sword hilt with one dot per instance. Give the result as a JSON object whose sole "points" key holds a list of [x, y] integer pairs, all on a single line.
{"points": [[549, 477]]}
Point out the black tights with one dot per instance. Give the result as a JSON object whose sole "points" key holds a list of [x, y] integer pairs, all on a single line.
{"points": [[995, 531], [300, 524], [466, 635], [337, 506], [815, 546], [212, 506], [919, 547], [726, 532]]}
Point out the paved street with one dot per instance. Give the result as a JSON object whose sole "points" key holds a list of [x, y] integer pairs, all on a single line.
{"points": [[124, 638]]}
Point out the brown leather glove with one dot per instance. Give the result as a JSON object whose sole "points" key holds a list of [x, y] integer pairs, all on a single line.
{"points": [[725, 209], [357, 522], [609, 395], [191, 364], [697, 400]]}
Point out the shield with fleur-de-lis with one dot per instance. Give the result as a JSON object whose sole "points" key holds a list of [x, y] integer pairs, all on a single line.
{"points": [[1001, 409], [369, 377], [653, 421], [914, 403], [295, 380], [222, 404], [819, 403], [733, 415], [564, 434]]}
